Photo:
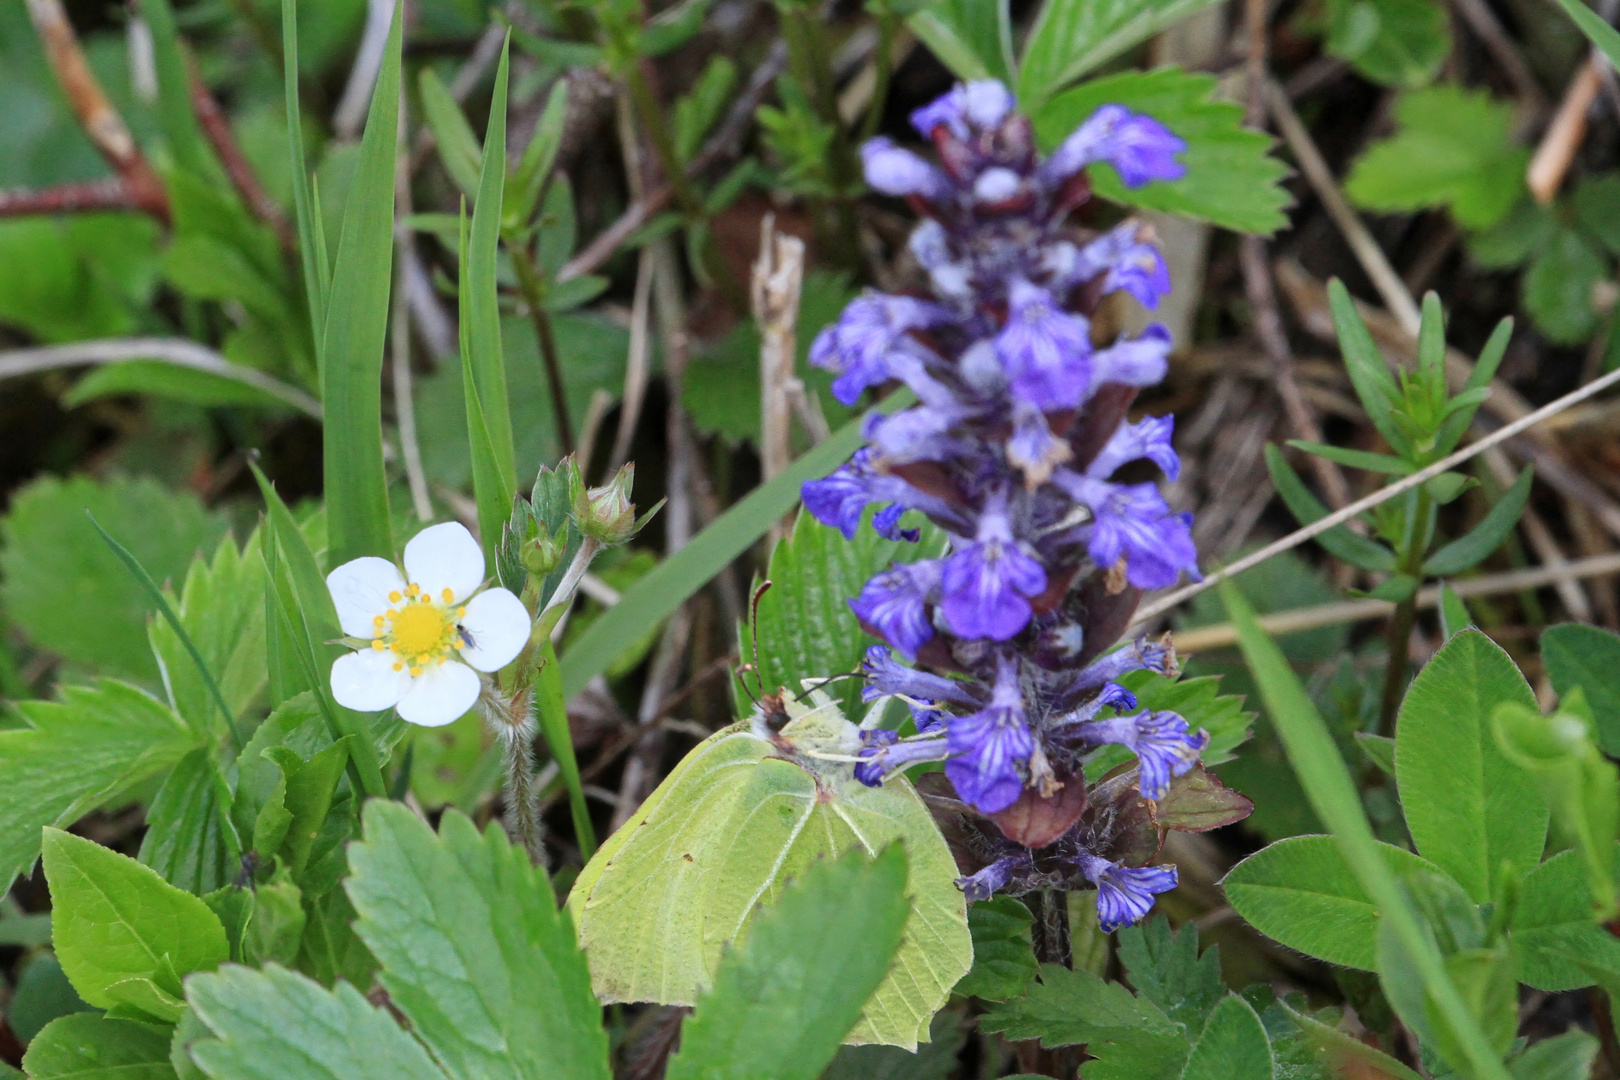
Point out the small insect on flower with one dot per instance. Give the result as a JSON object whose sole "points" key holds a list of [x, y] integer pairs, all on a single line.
{"points": [[430, 630]]}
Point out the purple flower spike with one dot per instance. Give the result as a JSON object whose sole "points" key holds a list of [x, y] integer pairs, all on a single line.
{"points": [[1139, 147], [990, 746], [1134, 523], [885, 675], [894, 603], [1113, 696], [993, 878], [868, 345], [1163, 746], [884, 754], [896, 171], [837, 500], [1033, 449], [1139, 655], [1128, 258], [981, 105], [987, 584], [1124, 894], [1148, 438], [930, 246], [886, 523], [1140, 361], [1045, 350]]}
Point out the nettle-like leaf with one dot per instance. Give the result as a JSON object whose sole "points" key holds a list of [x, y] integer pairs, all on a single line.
{"points": [[1394, 42], [1232, 180], [1072, 37], [95, 742], [225, 626], [62, 586], [1165, 968], [1003, 955]]}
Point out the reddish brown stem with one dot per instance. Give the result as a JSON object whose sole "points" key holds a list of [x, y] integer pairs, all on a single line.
{"points": [[109, 194], [218, 129]]}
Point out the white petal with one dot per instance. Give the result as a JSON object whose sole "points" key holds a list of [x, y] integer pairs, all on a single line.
{"points": [[445, 557], [440, 695], [360, 590], [498, 624], [367, 682]]}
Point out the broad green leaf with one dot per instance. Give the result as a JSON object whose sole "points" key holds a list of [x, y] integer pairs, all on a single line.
{"points": [[331, 950], [116, 922], [1563, 1057], [474, 949], [1361, 551], [1365, 365], [1475, 545], [938, 1059], [78, 752], [1394, 42], [971, 37], [1342, 1049], [356, 485], [1553, 923], [739, 817], [276, 929], [308, 788], [1302, 893], [1232, 179], [189, 839], [274, 1024], [1165, 968], [298, 724], [67, 591], [1587, 657], [1596, 28], [42, 993], [86, 1046], [1003, 956], [1469, 809], [782, 1003], [689, 569], [1072, 37], [1454, 148], [1557, 289], [1233, 1045]]}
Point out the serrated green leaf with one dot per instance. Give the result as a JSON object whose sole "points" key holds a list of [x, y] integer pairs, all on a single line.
{"points": [[1361, 551], [1232, 179], [1165, 968], [1469, 809], [228, 633], [1069, 1007], [86, 1046], [80, 751], [1072, 37], [1557, 289], [189, 838], [274, 1024], [1394, 42], [63, 587], [1003, 956], [1493, 529], [1587, 657], [474, 949], [781, 1005], [971, 37], [115, 921], [937, 1059], [356, 485]]}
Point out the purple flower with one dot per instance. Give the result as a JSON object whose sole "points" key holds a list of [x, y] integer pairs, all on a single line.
{"points": [[886, 523], [920, 433], [1044, 350], [1163, 746], [1124, 894], [993, 878], [996, 184], [887, 676], [989, 747], [1033, 449], [1140, 655], [988, 583], [982, 104], [884, 754], [896, 171], [1132, 521], [930, 246], [868, 345], [1148, 438], [895, 603], [1137, 146], [839, 500], [1127, 257], [1113, 696], [1139, 361], [925, 718]]}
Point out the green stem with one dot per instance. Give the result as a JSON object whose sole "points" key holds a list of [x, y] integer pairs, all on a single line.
{"points": [[1419, 531], [533, 288], [551, 708]]}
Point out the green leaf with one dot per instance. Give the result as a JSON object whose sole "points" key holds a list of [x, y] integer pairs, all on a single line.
{"points": [[1552, 926], [474, 949], [189, 838], [1454, 148], [1003, 956], [1380, 750], [1470, 810], [276, 929], [688, 570], [1341, 1049], [1563, 1057], [1356, 459], [331, 950], [1232, 179], [1301, 892], [1069, 1007], [309, 787], [1513, 240], [1454, 617], [1165, 968], [171, 382], [971, 37], [182, 134], [42, 993], [1493, 529], [1361, 551], [937, 1059], [782, 1004], [86, 1046], [1072, 37], [274, 1024], [1394, 42], [1587, 657], [1365, 365], [458, 146], [311, 238], [1596, 28], [117, 925], [1233, 1045], [1490, 357], [1557, 289], [95, 742], [356, 485], [524, 186], [63, 587]]}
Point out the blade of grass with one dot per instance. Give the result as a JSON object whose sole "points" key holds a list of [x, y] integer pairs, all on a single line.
{"points": [[317, 273], [672, 581], [492, 492], [1332, 793], [138, 572], [551, 706], [356, 325], [181, 131]]}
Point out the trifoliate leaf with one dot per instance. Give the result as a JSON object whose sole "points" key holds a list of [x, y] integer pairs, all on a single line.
{"points": [[1454, 148], [1232, 180]]}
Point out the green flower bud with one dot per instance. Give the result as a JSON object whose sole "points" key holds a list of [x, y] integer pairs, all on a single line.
{"points": [[542, 554], [606, 513]]}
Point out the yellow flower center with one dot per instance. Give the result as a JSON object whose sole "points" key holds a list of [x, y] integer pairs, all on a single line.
{"points": [[419, 631]]}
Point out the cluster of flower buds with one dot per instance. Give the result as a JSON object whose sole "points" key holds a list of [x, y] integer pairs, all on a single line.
{"points": [[1014, 448]]}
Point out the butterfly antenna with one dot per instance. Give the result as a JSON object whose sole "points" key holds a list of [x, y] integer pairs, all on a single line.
{"points": [[807, 691], [753, 630]]}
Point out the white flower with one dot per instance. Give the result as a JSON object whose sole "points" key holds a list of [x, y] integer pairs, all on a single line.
{"points": [[430, 634]]}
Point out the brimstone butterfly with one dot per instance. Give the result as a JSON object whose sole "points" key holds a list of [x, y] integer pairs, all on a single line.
{"points": [[741, 815]]}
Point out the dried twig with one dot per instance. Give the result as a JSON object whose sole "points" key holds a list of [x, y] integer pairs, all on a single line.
{"points": [[777, 280], [1553, 157], [639, 365], [350, 114]]}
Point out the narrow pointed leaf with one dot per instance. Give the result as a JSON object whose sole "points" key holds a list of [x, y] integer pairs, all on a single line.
{"points": [[1357, 550], [1473, 546], [1365, 365]]}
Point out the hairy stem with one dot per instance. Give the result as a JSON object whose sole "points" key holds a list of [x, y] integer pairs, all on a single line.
{"points": [[1052, 927], [513, 722], [534, 296]]}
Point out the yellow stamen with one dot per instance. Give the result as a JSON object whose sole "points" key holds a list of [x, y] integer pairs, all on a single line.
{"points": [[448, 594], [394, 598], [413, 588], [399, 667], [457, 644], [392, 614], [416, 671], [461, 613], [379, 646], [377, 620]]}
